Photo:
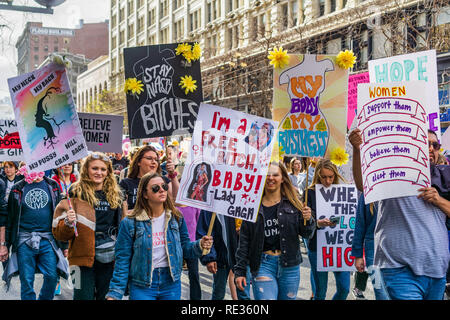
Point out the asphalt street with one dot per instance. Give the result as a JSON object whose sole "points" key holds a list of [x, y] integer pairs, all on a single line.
{"points": [[206, 280]]}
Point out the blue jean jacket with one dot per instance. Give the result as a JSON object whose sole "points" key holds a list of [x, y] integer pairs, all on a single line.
{"points": [[133, 261]]}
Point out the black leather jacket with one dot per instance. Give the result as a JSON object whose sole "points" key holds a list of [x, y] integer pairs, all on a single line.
{"points": [[251, 239]]}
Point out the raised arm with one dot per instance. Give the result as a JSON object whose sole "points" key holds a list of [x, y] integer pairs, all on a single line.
{"points": [[356, 141]]}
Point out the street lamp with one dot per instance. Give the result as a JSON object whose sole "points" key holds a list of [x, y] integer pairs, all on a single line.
{"points": [[48, 4]]}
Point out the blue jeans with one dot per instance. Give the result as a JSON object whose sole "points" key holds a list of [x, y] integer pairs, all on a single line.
{"points": [[374, 273], [28, 260], [403, 284], [321, 280], [162, 287], [274, 282], [220, 285], [195, 291], [220, 279], [245, 295], [311, 276]]}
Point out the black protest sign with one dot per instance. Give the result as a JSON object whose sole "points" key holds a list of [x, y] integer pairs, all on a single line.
{"points": [[102, 132], [163, 108]]}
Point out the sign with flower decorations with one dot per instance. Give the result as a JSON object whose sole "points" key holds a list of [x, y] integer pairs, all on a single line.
{"points": [[164, 89], [310, 103], [227, 164]]}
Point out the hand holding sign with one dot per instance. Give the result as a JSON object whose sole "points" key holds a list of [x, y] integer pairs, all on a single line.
{"points": [[393, 138]]}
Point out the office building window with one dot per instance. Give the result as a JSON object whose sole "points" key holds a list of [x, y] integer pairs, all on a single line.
{"points": [[284, 16], [152, 39], [178, 3], [164, 35], [213, 10], [321, 7], [141, 24], [130, 6], [152, 16], [195, 20], [121, 37], [164, 8], [179, 30], [131, 31]]}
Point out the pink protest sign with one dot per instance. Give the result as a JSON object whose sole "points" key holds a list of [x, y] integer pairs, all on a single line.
{"points": [[353, 81], [394, 154]]}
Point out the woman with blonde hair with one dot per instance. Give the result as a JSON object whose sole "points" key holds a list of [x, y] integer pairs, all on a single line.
{"points": [[89, 219], [326, 173], [151, 244], [271, 245]]}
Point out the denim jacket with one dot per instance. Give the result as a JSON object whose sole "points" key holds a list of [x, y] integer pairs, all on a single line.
{"points": [[134, 260]]}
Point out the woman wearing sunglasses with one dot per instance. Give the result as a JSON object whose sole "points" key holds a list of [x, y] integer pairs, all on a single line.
{"points": [[146, 161], [151, 244], [89, 220]]}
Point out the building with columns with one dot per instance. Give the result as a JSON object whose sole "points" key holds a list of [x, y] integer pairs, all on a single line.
{"points": [[92, 82], [236, 35]]}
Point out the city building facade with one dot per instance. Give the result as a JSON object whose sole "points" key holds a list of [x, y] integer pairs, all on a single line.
{"points": [[236, 36], [37, 42], [92, 82]]}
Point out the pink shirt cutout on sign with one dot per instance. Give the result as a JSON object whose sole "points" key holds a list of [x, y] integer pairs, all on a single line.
{"points": [[353, 81]]}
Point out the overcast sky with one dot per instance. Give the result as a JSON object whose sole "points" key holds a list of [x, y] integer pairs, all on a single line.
{"points": [[67, 15]]}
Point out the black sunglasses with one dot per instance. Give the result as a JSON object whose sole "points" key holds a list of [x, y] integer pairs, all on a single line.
{"points": [[156, 187], [436, 145]]}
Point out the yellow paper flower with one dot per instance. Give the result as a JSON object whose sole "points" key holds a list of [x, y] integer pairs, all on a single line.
{"points": [[346, 59], [188, 84], [182, 48], [338, 156], [278, 58], [189, 56], [135, 86], [196, 51]]}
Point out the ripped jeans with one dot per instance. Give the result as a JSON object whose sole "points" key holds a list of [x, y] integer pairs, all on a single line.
{"points": [[274, 282]]}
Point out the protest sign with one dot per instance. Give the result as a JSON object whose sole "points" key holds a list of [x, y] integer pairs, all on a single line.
{"points": [[102, 132], [353, 81], [46, 117], [310, 103], [163, 108], [334, 244], [412, 67], [10, 146], [394, 153], [227, 163], [445, 141]]}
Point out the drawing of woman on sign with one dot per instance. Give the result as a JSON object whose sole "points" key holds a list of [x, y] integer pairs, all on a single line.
{"points": [[43, 118], [199, 186], [259, 138]]}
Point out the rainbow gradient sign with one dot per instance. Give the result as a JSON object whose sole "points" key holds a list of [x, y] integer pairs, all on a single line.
{"points": [[47, 119]]}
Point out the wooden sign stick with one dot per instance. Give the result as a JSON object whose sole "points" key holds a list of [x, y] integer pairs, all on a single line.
{"points": [[211, 225], [306, 188]]}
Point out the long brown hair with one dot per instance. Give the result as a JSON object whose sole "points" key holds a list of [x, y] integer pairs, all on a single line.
{"points": [[134, 165], [325, 164], [142, 202], [84, 188], [287, 189]]}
